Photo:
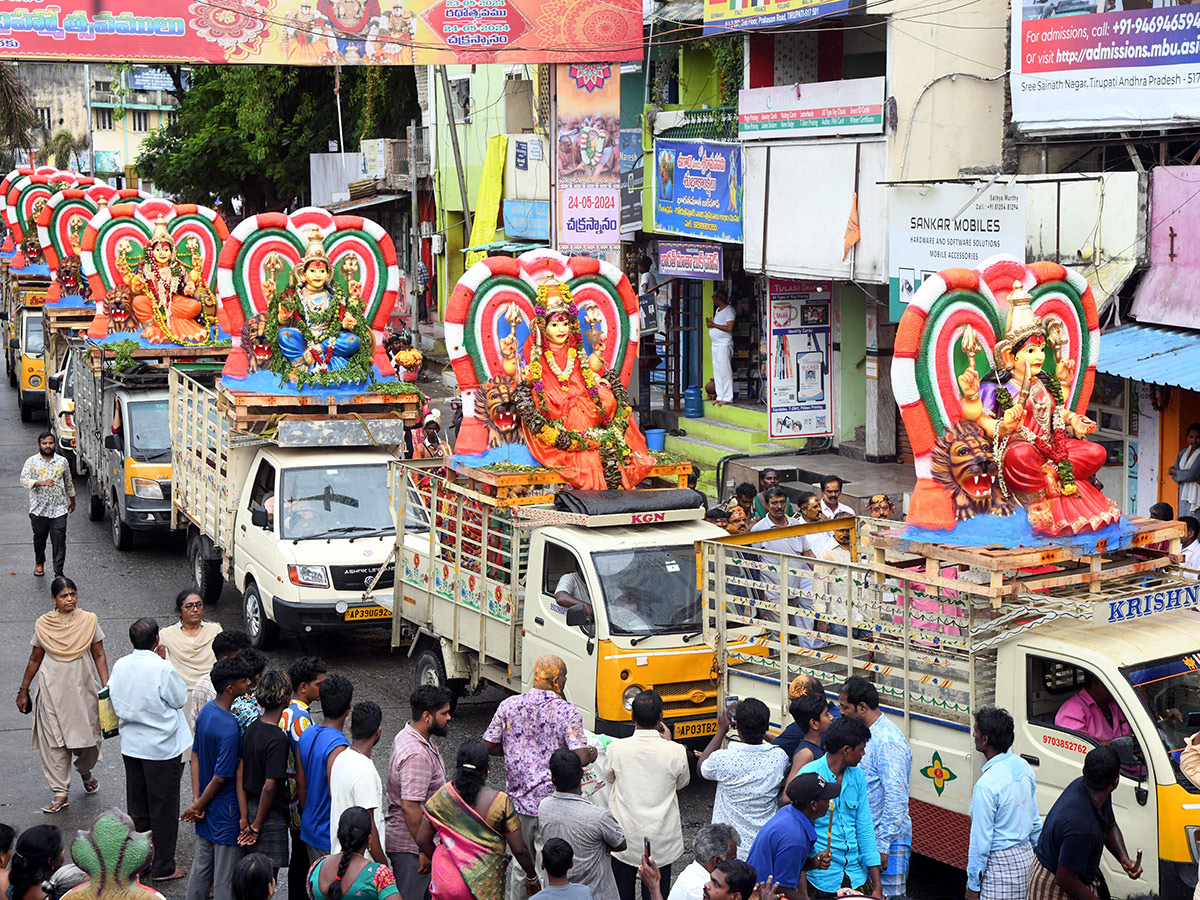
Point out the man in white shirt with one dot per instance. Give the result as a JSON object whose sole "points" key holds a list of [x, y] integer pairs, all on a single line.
{"points": [[720, 338], [799, 592], [645, 771], [1191, 546], [832, 506], [353, 780], [148, 696], [711, 845]]}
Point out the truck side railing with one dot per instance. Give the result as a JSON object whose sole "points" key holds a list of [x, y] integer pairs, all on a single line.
{"points": [[201, 438], [460, 565]]}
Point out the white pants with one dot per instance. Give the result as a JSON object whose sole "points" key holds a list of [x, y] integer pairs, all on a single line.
{"points": [[722, 358]]}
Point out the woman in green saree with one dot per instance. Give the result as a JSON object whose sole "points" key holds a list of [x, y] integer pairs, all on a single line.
{"points": [[475, 826], [349, 875]]}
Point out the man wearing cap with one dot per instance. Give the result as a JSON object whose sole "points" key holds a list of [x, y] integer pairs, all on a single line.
{"points": [[783, 848], [432, 447]]}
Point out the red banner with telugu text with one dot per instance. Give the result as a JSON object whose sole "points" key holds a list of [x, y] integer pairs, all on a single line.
{"points": [[323, 32]]}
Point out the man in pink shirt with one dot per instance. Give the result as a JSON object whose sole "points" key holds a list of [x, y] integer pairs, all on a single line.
{"points": [[1093, 712]]}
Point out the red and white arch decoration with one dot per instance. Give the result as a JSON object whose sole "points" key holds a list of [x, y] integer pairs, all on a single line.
{"points": [[61, 215]]}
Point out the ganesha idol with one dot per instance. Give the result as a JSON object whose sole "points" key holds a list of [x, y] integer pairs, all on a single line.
{"points": [[1014, 440], [320, 328]]}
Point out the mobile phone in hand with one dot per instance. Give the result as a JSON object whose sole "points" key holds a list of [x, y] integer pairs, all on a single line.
{"points": [[647, 845]]}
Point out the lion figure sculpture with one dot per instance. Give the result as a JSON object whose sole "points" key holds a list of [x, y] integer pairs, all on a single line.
{"points": [[498, 412], [962, 463]]}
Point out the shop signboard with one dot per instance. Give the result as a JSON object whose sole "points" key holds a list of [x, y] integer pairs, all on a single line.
{"points": [[943, 226], [588, 159], [1102, 65], [823, 109], [148, 78], [731, 15], [698, 189], [800, 380], [304, 33], [527, 219], [690, 259], [631, 180]]}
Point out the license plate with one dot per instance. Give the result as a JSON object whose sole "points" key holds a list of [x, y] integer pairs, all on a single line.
{"points": [[694, 729], [371, 612]]}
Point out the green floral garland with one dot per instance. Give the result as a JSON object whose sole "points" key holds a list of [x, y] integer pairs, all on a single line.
{"points": [[608, 440], [203, 291], [356, 371], [1066, 472]]}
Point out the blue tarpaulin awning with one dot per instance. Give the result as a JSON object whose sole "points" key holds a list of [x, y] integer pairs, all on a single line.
{"points": [[1152, 353]]}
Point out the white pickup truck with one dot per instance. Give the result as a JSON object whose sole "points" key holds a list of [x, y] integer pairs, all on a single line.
{"points": [[298, 522]]}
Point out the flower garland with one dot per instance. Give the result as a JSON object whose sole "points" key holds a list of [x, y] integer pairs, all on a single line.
{"points": [[163, 294], [357, 368], [1055, 449]]}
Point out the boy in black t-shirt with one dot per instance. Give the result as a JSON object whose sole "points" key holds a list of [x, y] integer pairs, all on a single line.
{"points": [[262, 776]]}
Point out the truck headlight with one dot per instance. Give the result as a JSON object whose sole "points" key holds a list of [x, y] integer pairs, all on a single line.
{"points": [[147, 489], [35, 380], [627, 698], [309, 576]]}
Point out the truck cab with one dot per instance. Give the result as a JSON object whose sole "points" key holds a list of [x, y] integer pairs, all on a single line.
{"points": [[136, 480], [621, 610], [312, 528], [60, 403], [30, 367]]}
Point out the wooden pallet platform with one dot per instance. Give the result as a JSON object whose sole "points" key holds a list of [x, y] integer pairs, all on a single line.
{"points": [[1013, 571], [252, 412], [540, 485], [100, 355], [64, 318]]}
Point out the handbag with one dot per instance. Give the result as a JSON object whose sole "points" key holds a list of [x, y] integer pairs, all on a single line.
{"points": [[110, 727]]}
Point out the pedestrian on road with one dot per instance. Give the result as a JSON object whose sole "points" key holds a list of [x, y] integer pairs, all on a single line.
{"points": [[216, 754], [353, 780], [1185, 472], [224, 645], [306, 675], [847, 829], [713, 844], [349, 873], [415, 773], [38, 856], [1189, 764], [477, 826], [646, 770], [68, 652], [558, 858], [1004, 815], [262, 777], [720, 339], [767, 479], [254, 878], [245, 707], [592, 832], [748, 772], [786, 846], [8, 839], [189, 643], [317, 749], [811, 713], [148, 697], [526, 730], [887, 766], [47, 477], [832, 506], [1078, 827]]}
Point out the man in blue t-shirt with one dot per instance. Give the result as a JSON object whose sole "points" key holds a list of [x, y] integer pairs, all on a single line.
{"points": [[318, 747], [216, 752], [783, 847]]}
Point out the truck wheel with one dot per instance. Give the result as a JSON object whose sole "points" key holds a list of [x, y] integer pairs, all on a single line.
{"points": [[206, 572], [12, 374], [430, 668], [26, 412], [95, 509], [262, 631], [122, 536]]}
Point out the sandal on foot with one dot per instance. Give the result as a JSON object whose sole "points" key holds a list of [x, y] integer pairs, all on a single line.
{"points": [[39, 571], [56, 805], [179, 872], [91, 783]]}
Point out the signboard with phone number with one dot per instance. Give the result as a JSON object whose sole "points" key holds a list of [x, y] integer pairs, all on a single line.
{"points": [[800, 382]]}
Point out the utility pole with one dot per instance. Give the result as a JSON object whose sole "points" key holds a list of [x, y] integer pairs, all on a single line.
{"points": [[462, 178], [414, 223]]}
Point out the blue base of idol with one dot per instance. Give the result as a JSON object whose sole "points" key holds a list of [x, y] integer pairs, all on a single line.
{"points": [[31, 269], [1015, 531], [144, 344], [516, 454], [72, 301], [266, 382]]}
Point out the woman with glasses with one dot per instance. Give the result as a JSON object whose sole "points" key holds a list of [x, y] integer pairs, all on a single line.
{"points": [[188, 643]]}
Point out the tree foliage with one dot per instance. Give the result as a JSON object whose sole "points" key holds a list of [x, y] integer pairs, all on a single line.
{"points": [[18, 121], [247, 131], [63, 149]]}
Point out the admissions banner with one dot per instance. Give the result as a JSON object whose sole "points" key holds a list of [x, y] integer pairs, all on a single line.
{"points": [[698, 189], [1103, 64], [324, 32]]}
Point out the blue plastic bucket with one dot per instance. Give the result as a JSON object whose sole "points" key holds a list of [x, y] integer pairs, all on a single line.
{"points": [[656, 438]]}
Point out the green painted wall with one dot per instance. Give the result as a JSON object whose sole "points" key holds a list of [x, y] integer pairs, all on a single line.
{"points": [[852, 307]]}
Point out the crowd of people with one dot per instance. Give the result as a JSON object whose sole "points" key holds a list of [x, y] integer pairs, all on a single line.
{"points": [[820, 811]]}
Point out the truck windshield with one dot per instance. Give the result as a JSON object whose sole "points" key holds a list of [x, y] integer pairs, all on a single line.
{"points": [[335, 502], [649, 590], [33, 334], [149, 429], [1170, 691]]}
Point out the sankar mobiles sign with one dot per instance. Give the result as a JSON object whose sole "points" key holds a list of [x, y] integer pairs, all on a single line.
{"points": [[1149, 604]]}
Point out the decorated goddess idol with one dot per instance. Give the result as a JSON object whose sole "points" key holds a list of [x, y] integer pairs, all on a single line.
{"points": [[307, 296], [170, 298], [1011, 441], [538, 387]]}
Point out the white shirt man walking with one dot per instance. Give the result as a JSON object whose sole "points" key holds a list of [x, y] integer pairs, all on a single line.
{"points": [[148, 697], [47, 477]]}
